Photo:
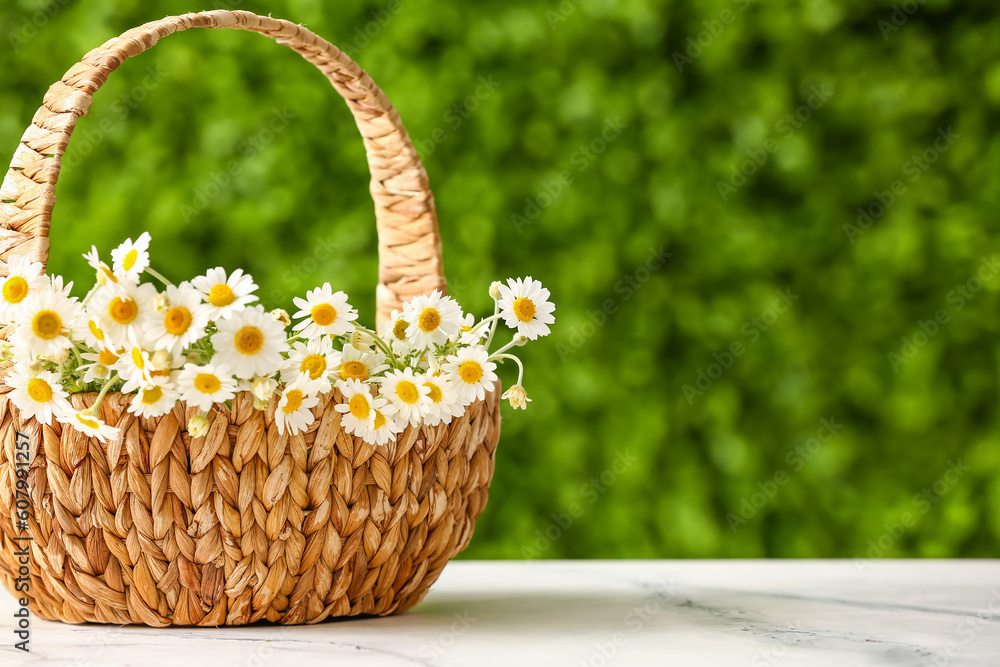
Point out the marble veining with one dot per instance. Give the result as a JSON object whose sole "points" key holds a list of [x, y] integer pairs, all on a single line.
{"points": [[601, 613]]}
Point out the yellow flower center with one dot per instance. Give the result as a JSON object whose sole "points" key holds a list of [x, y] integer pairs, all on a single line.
{"points": [[151, 395], [207, 383], [89, 422], [399, 329], [221, 295], [429, 320], [470, 372], [47, 324], [137, 359], [39, 390], [359, 406], [107, 357], [249, 340], [379, 420], [293, 401], [95, 330], [324, 314], [436, 394], [524, 309], [314, 365], [353, 370], [177, 321], [130, 258], [15, 289], [407, 392], [123, 311]]}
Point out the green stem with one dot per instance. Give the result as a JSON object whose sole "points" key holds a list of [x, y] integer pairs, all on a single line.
{"points": [[520, 368], [495, 318], [158, 276], [104, 390], [505, 348], [381, 344], [90, 294]]}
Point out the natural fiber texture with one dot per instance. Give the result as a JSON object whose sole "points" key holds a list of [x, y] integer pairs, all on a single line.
{"points": [[242, 524]]}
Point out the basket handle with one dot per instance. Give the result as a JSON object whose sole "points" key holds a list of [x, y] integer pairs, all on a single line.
{"points": [[409, 243]]}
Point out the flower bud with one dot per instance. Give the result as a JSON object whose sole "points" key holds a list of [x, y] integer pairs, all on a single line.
{"points": [[101, 372], [36, 367], [520, 340], [162, 360], [101, 279], [198, 426], [517, 396], [263, 389], [362, 341], [161, 303], [281, 315], [495, 290]]}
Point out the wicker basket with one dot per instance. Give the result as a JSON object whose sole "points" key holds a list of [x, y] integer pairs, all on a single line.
{"points": [[243, 524]]}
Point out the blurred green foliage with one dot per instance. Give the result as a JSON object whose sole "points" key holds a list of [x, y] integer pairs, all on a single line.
{"points": [[571, 141]]}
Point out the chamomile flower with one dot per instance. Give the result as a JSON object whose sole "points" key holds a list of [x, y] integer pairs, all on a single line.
{"points": [[470, 334], [316, 359], [135, 368], [154, 400], [105, 276], [353, 364], [525, 306], [100, 366], [408, 397], [201, 386], [358, 408], [517, 396], [250, 342], [225, 295], [87, 329], [131, 259], [325, 312], [433, 318], [395, 332], [44, 321], [471, 372], [294, 411], [383, 429], [121, 311], [38, 396], [24, 279], [88, 423], [443, 403], [181, 323]]}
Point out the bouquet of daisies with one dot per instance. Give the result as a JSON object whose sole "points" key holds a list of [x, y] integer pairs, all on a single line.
{"points": [[203, 341]]}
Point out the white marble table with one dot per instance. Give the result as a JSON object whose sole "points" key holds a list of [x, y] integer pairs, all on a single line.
{"points": [[598, 613]]}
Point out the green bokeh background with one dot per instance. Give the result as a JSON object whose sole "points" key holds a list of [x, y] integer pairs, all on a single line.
{"points": [[728, 472]]}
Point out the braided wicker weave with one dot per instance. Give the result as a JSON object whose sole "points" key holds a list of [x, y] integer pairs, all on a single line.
{"points": [[243, 524]]}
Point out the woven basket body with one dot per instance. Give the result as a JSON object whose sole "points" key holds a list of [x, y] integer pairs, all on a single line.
{"points": [[243, 524]]}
